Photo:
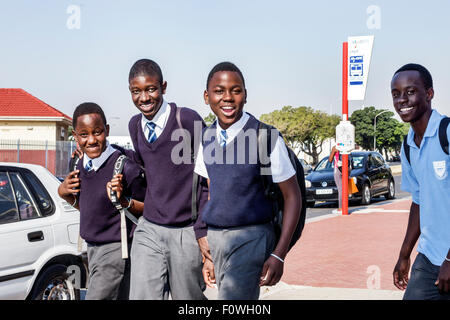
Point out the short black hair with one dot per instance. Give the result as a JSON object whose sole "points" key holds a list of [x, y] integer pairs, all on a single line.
{"points": [[425, 75], [224, 66], [145, 67], [87, 108]]}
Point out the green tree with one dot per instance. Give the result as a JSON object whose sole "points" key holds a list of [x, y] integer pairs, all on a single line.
{"points": [[303, 128], [389, 131], [209, 119]]}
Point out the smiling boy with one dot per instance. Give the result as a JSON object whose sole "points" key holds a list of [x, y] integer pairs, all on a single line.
{"points": [[426, 176], [85, 189], [238, 214], [166, 252]]}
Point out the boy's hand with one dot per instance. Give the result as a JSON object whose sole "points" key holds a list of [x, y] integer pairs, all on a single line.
{"points": [[70, 185], [400, 273], [115, 185], [443, 281], [208, 273], [271, 272]]}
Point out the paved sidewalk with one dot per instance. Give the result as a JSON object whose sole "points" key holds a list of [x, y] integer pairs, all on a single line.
{"points": [[345, 257]]}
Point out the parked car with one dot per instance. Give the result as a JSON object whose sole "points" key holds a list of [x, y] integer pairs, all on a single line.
{"points": [[39, 257], [371, 174], [306, 167]]}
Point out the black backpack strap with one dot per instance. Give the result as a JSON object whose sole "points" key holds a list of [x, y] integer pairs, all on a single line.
{"points": [[443, 139], [406, 148]]}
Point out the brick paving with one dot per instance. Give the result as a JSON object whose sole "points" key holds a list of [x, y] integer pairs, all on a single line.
{"points": [[350, 251]]}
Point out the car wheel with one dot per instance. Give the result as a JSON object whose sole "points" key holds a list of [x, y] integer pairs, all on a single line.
{"points": [[391, 191], [366, 197], [310, 204], [53, 284]]}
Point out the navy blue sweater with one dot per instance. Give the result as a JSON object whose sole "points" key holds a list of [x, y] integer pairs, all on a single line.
{"points": [[99, 219], [169, 185], [236, 189]]}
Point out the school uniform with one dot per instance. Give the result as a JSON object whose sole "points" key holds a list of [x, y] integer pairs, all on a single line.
{"points": [[238, 214], [427, 177], [100, 223], [165, 253]]}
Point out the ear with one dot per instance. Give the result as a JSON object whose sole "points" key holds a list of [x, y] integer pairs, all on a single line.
{"points": [[245, 99], [206, 97], [430, 94], [164, 87], [107, 130]]}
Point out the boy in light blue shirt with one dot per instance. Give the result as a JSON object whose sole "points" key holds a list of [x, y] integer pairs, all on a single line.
{"points": [[426, 176]]}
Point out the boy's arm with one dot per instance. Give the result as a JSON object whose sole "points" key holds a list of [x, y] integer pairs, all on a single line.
{"points": [[273, 267], [401, 268], [409, 184]]}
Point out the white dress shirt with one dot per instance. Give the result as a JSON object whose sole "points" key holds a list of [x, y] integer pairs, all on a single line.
{"points": [[160, 120], [280, 164]]}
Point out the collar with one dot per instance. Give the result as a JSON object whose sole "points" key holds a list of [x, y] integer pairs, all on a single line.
{"points": [[430, 131], [97, 162], [160, 118], [235, 128]]}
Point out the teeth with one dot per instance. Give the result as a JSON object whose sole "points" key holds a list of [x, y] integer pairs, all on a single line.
{"points": [[406, 109]]}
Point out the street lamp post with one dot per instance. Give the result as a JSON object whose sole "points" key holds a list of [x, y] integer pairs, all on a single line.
{"points": [[375, 129]]}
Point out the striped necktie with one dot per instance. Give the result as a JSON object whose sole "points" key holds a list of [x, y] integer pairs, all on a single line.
{"points": [[223, 138], [151, 132], [88, 166]]}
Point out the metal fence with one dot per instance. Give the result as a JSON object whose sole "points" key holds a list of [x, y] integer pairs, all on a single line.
{"points": [[53, 155]]}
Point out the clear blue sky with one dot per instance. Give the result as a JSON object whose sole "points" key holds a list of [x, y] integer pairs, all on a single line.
{"points": [[289, 51]]}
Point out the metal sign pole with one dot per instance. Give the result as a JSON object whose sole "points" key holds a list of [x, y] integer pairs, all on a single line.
{"points": [[345, 118]]}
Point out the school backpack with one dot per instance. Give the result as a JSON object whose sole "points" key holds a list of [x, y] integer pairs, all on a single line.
{"points": [[443, 139], [272, 190]]}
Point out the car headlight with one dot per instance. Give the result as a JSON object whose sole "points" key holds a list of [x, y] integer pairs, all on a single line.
{"points": [[307, 184]]}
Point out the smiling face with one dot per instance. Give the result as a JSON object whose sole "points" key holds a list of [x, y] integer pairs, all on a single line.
{"points": [[226, 95], [411, 100], [90, 133], [147, 94]]}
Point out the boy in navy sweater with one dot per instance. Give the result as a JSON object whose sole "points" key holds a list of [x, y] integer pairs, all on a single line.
{"points": [[238, 214], [165, 254], [86, 189]]}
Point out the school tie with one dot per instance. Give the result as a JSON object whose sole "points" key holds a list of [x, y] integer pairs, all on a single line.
{"points": [[88, 166], [223, 138], [151, 132]]}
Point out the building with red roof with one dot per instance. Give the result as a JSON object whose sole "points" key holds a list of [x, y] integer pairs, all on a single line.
{"points": [[25, 117], [31, 131]]}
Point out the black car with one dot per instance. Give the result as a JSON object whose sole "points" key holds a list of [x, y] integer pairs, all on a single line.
{"points": [[373, 177]]}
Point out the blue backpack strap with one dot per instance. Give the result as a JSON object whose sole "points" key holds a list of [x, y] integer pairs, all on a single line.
{"points": [[443, 139]]}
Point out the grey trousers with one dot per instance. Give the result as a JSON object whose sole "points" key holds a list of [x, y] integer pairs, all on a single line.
{"points": [[109, 274], [239, 255], [165, 258]]}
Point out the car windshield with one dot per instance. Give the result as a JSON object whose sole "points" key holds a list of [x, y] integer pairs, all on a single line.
{"points": [[358, 162], [324, 165]]}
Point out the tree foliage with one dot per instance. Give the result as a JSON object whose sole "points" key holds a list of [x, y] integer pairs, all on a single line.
{"points": [[209, 119], [303, 128], [389, 131]]}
